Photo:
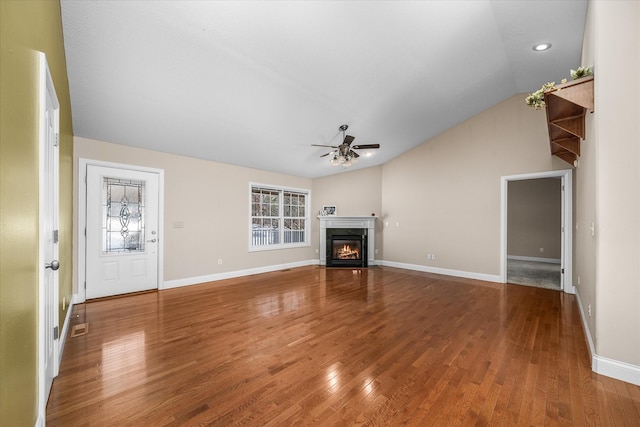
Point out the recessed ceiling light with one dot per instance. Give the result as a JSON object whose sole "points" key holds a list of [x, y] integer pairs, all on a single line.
{"points": [[542, 46]]}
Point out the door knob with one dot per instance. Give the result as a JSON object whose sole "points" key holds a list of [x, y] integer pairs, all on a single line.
{"points": [[55, 264], [152, 241]]}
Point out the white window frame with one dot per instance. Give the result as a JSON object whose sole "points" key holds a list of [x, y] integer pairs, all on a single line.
{"points": [[307, 224]]}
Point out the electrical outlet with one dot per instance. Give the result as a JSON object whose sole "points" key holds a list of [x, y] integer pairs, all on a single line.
{"points": [[219, 261], [433, 257], [376, 251], [317, 250], [397, 223], [578, 280], [541, 250]]}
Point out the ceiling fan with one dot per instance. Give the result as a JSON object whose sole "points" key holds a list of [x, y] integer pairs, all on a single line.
{"points": [[343, 154]]}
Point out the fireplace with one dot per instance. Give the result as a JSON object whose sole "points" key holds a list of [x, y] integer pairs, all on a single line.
{"points": [[346, 247], [362, 229]]}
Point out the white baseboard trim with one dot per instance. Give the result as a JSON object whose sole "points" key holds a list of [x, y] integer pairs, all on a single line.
{"points": [[615, 369], [64, 331], [534, 259], [75, 299], [445, 271], [587, 331], [603, 365], [233, 274]]}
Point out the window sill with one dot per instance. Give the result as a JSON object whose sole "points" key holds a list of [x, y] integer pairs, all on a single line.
{"points": [[279, 247]]}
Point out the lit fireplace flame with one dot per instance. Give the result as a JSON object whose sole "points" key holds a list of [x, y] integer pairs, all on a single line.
{"points": [[347, 253]]}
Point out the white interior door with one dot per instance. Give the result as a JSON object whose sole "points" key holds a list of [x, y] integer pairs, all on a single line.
{"points": [[122, 231], [48, 239]]}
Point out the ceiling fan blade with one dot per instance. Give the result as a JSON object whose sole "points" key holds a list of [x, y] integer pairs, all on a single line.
{"points": [[366, 146], [326, 154], [354, 154], [348, 139], [319, 145]]}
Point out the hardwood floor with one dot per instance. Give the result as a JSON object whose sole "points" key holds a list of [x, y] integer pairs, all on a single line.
{"points": [[379, 346]]}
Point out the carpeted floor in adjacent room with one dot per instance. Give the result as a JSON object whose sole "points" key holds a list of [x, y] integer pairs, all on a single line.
{"points": [[530, 273]]}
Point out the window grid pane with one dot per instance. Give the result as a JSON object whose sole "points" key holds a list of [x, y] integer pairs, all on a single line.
{"points": [[275, 213]]}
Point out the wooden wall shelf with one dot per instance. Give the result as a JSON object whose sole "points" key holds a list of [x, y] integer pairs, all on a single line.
{"points": [[566, 110]]}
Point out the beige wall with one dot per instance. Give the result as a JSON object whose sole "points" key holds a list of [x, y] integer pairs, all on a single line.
{"points": [[445, 194], [212, 200], [585, 211], [534, 218], [616, 136], [355, 193], [443, 206], [25, 28]]}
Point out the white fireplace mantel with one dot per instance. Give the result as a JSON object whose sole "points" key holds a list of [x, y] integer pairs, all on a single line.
{"points": [[368, 222]]}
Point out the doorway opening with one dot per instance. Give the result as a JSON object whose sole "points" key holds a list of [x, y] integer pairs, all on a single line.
{"points": [[534, 222], [536, 230]]}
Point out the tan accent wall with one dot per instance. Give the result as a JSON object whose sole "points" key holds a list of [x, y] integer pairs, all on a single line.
{"points": [[535, 218], [25, 28], [443, 197], [212, 201]]}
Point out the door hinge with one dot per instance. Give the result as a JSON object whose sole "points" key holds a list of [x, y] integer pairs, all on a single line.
{"points": [[562, 271], [55, 236], [56, 140], [55, 333]]}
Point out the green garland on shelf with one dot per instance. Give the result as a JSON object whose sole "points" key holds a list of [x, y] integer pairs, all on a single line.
{"points": [[535, 100]]}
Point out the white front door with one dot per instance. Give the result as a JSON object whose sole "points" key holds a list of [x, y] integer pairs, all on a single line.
{"points": [[122, 231]]}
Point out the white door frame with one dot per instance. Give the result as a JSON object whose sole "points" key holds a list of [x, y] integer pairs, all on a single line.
{"points": [[82, 219], [46, 91], [566, 176]]}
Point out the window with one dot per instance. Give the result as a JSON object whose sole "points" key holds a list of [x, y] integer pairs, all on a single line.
{"points": [[279, 217], [122, 215]]}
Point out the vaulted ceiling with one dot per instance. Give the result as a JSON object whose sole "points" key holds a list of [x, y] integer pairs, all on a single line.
{"points": [[255, 83]]}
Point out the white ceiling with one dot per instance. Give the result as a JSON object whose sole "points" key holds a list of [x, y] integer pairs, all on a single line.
{"points": [[254, 83]]}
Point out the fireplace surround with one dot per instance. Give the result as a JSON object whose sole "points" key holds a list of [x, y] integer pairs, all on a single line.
{"points": [[347, 241]]}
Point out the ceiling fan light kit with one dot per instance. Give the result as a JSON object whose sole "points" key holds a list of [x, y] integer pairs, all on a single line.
{"points": [[346, 161], [343, 154]]}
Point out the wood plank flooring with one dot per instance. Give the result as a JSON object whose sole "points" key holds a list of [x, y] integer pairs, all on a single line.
{"points": [[316, 346]]}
